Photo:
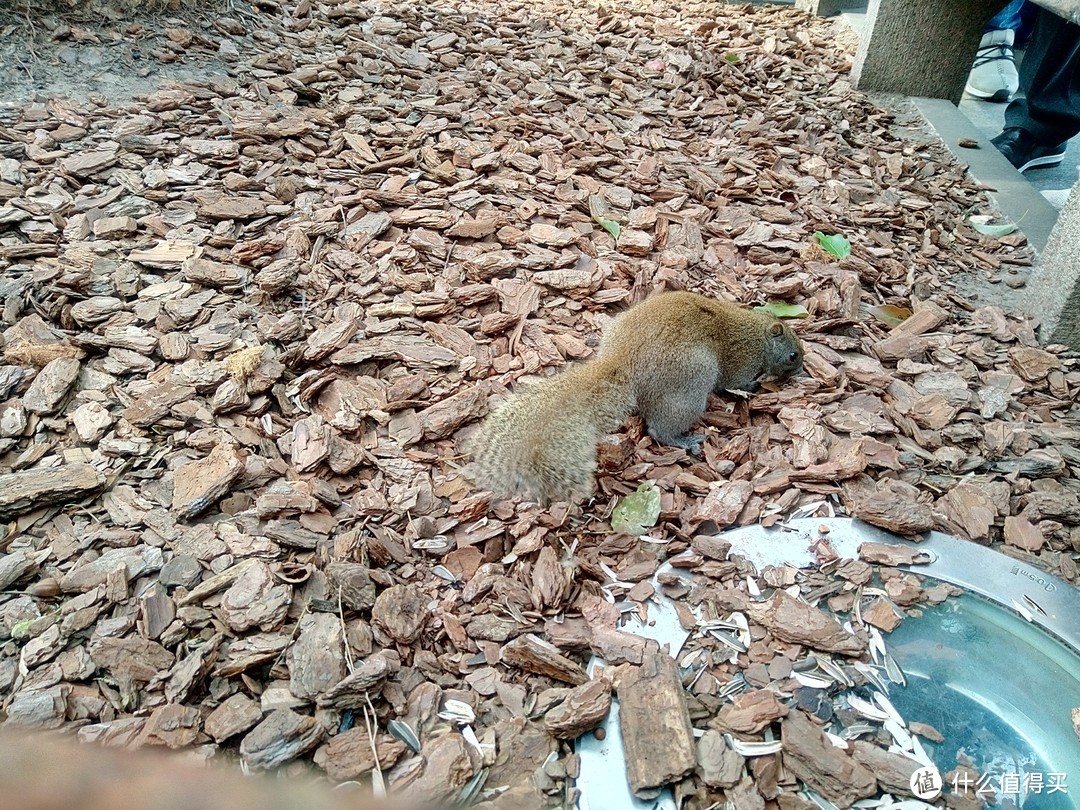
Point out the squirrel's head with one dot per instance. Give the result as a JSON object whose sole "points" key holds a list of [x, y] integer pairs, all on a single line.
{"points": [[783, 351]]}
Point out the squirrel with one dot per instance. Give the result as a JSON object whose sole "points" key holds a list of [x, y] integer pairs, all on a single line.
{"points": [[660, 358]]}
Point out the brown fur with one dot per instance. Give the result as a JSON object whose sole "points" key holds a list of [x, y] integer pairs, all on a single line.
{"points": [[662, 358]]}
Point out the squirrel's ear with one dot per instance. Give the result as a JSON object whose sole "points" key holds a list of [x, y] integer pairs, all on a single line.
{"points": [[776, 329]]}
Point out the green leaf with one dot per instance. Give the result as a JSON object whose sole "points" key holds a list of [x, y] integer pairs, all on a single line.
{"points": [[598, 210], [993, 230], [610, 225], [732, 58], [638, 511], [835, 245], [781, 309]]}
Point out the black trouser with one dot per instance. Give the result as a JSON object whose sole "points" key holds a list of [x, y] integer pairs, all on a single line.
{"points": [[1050, 81]]}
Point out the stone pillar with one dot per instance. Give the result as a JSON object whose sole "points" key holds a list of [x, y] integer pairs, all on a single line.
{"points": [[826, 8], [1053, 290], [920, 47]]}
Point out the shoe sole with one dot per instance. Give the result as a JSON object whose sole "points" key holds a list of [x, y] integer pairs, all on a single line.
{"points": [[1044, 162], [998, 96]]}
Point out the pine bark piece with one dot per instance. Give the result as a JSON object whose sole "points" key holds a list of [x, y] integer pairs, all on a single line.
{"points": [[191, 672], [348, 755], [282, 737], [91, 420], [37, 709], [157, 609], [155, 405], [581, 710], [447, 415], [209, 273], [255, 599], [712, 547], [29, 489], [718, 765], [200, 484], [15, 566], [881, 615], [889, 504], [1021, 533], [892, 771], [618, 647], [236, 714], [90, 575], [796, 622], [655, 724], [882, 554], [216, 205], [447, 767], [635, 243], [548, 579], [51, 385], [352, 582], [115, 227], [929, 317], [833, 773], [351, 692], [750, 712], [165, 255], [317, 658], [401, 612], [1031, 363], [724, 503], [572, 633], [969, 511], [252, 651], [900, 347], [137, 658], [531, 654], [311, 439], [173, 726]]}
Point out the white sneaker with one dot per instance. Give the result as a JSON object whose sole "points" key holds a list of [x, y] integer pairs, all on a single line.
{"points": [[993, 75], [1056, 196]]}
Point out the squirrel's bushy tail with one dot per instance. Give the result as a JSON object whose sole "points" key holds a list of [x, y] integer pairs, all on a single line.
{"points": [[542, 442]]}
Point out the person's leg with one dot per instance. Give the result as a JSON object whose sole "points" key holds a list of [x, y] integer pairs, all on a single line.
{"points": [[1050, 78], [1028, 11], [993, 74], [1009, 17], [1038, 125]]}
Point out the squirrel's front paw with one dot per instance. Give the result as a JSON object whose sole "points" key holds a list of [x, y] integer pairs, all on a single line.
{"points": [[745, 391], [691, 443]]}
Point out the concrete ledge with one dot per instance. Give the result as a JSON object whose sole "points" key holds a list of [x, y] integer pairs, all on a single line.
{"points": [[1053, 291], [1014, 196], [916, 48]]}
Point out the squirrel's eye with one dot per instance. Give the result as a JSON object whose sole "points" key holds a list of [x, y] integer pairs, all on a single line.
{"points": [[793, 357]]}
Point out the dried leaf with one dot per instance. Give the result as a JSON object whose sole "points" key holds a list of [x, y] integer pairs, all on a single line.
{"points": [[637, 512]]}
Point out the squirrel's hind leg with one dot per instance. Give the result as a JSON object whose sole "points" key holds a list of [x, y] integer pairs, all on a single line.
{"points": [[669, 415]]}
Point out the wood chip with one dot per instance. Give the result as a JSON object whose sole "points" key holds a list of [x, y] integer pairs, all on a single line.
{"points": [[655, 723], [583, 708], [794, 621], [828, 770], [22, 491]]}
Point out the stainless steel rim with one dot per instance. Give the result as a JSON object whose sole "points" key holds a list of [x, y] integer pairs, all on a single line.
{"points": [[1043, 599]]}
